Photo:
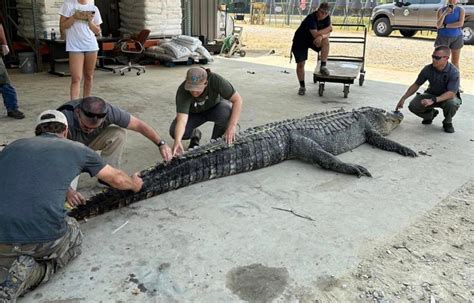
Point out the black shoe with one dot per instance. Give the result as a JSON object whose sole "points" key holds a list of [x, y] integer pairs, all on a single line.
{"points": [[195, 138], [302, 91], [16, 114], [448, 127], [429, 121]]}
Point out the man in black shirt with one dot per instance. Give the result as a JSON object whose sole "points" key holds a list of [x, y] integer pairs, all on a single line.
{"points": [[312, 33]]}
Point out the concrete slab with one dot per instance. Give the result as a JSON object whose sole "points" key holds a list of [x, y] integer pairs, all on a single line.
{"points": [[201, 242]]}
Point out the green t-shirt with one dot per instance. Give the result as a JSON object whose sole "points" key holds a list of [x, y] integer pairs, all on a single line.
{"points": [[217, 89]]}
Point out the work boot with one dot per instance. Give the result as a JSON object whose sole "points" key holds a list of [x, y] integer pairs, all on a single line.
{"points": [[324, 71], [302, 91], [429, 121], [16, 114], [195, 138], [448, 127], [24, 273]]}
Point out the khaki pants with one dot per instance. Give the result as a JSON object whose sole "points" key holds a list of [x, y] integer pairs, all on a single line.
{"points": [[110, 143], [35, 263]]}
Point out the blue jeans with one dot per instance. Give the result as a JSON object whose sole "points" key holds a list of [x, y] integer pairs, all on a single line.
{"points": [[9, 97]]}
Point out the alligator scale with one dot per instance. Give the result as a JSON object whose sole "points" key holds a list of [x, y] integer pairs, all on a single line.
{"points": [[316, 139]]}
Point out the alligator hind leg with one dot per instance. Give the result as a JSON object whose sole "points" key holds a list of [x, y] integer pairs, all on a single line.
{"points": [[308, 150], [377, 140]]}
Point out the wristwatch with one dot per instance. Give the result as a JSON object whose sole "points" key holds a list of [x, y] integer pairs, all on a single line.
{"points": [[434, 99], [162, 142]]}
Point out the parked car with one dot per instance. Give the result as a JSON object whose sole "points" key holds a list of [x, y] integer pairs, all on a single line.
{"points": [[410, 16]]}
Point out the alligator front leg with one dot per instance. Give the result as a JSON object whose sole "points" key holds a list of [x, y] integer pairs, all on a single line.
{"points": [[376, 139], [308, 150]]}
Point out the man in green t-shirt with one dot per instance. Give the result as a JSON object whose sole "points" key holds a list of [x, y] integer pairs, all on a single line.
{"points": [[204, 96]]}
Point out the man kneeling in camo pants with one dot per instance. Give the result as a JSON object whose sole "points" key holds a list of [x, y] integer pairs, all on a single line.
{"points": [[36, 236]]}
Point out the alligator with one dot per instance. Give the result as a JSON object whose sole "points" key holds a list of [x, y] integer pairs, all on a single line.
{"points": [[316, 139]]}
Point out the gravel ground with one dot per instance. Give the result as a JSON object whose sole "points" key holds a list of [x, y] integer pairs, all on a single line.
{"points": [[394, 52]]}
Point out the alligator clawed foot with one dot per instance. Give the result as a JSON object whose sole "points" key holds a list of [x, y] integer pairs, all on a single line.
{"points": [[407, 152], [362, 171]]}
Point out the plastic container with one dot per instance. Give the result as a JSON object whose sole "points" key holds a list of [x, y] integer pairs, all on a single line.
{"points": [[27, 62]]}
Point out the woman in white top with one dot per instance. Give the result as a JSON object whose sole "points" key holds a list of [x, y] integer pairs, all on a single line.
{"points": [[80, 21]]}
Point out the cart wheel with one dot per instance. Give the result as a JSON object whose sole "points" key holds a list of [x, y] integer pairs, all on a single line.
{"points": [[346, 90], [114, 71], [122, 73], [314, 78], [242, 53], [138, 73], [321, 89], [361, 79]]}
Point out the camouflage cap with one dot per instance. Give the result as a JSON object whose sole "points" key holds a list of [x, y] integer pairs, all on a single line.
{"points": [[196, 79]]}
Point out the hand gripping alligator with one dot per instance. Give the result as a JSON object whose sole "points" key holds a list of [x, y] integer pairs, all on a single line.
{"points": [[316, 139]]}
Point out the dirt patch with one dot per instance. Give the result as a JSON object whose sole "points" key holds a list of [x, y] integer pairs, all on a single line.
{"points": [[431, 261], [392, 53]]}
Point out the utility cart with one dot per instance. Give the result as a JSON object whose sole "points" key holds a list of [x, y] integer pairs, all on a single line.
{"points": [[343, 69]]}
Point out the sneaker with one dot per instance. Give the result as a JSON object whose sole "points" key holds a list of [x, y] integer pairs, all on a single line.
{"points": [[16, 114], [429, 121], [302, 91], [448, 127], [24, 272], [195, 138], [324, 71]]}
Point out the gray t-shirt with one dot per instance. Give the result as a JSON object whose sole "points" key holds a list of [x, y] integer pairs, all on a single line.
{"points": [[439, 81], [115, 115], [35, 174]]}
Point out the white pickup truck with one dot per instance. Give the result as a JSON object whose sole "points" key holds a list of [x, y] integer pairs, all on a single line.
{"points": [[410, 16]]}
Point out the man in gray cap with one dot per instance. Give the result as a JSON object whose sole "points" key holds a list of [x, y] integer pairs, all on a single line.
{"points": [[204, 96], [36, 235]]}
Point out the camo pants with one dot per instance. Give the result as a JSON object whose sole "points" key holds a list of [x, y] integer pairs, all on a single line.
{"points": [[33, 264]]}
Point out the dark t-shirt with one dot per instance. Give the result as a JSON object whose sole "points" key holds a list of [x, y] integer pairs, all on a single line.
{"points": [[217, 89], [303, 35], [439, 81], [115, 115], [35, 174]]}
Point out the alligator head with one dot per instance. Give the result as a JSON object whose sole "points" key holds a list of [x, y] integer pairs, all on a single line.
{"points": [[383, 121]]}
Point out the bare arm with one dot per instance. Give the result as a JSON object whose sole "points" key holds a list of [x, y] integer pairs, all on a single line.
{"points": [[410, 91], [324, 33], [445, 96], [3, 38], [236, 101], [146, 130], [440, 17], [95, 28], [460, 23], [120, 180], [181, 120], [66, 22]]}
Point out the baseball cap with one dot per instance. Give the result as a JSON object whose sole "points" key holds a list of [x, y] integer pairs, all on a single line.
{"points": [[196, 79], [51, 116]]}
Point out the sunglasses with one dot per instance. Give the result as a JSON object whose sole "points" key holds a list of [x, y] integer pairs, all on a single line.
{"points": [[93, 115], [437, 58]]}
